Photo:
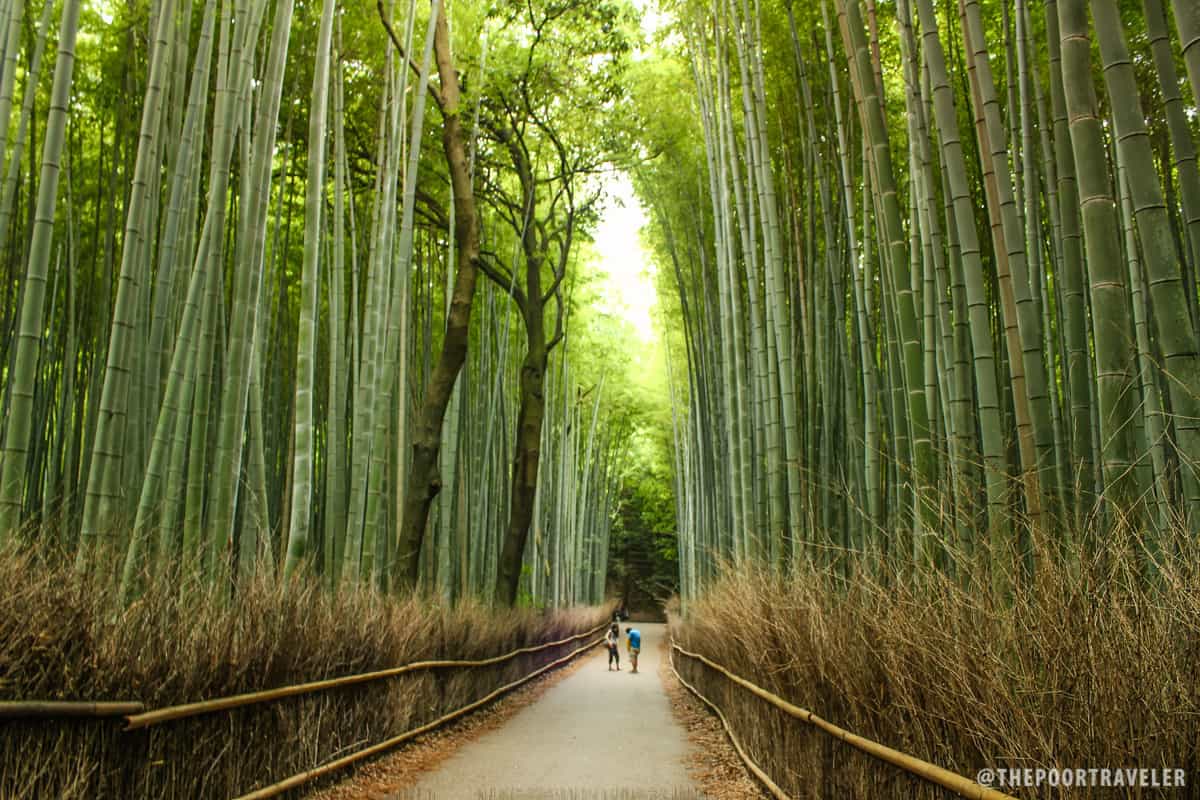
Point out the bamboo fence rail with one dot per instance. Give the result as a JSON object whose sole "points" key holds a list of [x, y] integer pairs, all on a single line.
{"points": [[304, 777], [956, 783], [758, 771], [52, 709], [136, 717], [161, 715]]}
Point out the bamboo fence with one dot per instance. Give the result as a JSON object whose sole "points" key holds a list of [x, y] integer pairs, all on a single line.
{"points": [[964, 787]]}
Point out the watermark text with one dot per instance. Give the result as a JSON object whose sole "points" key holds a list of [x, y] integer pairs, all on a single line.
{"points": [[1103, 777]]}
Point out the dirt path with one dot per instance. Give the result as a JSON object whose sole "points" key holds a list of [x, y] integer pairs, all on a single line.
{"points": [[596, 732]]}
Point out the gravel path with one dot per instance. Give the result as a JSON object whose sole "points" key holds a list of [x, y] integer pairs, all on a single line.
{"points": [[596, 732]]}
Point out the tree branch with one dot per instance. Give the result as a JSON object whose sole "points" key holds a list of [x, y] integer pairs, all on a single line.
{"points": [[558, 323], [560, 268], [502, 278], [433, 208], [416, 68]]}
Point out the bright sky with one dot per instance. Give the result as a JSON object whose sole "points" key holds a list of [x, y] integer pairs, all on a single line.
{"points": [[628, 287]]}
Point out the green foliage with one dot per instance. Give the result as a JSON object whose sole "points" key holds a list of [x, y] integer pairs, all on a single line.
{"points": [[644, 567]]}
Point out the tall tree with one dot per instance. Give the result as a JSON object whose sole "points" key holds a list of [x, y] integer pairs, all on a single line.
{"points": [[424, 480]]}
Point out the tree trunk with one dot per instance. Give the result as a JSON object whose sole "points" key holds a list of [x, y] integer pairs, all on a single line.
{"points": [[525, 460], [424, 481]]}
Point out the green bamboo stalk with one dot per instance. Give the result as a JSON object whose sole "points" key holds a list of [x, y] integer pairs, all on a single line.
{"points": [[1168, 301], [866, 336], [892, 231], [252, 233], [302, 467], [1152, 408], [987, 391], [19, 425], [1028, 322], [1182, 145], [1071, 274], [1187, 22], [335, 457], [8, 193], [14, 16], [1110, 305]]}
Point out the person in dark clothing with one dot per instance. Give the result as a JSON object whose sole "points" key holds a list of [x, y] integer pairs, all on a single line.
{"points": [[613, 640]]}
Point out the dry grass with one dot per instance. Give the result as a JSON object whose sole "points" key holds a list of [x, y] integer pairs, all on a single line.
{"points": [[1086, 665], [61, 640]]}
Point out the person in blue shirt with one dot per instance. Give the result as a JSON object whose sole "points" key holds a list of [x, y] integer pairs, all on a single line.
{"points": [[635, 646]]}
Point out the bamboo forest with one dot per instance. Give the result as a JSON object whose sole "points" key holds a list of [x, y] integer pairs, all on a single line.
{"points": [[849, 347]]}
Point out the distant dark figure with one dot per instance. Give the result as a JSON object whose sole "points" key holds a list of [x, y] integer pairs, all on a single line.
{"points": [[635, 646], [613, 640]]}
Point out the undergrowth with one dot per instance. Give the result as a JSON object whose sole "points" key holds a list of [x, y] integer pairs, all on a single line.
{"points": [[1085, 664], [62, 638]]}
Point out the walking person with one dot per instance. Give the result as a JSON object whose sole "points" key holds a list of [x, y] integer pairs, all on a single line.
{"points": [[635, 646], [613, 640]]}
